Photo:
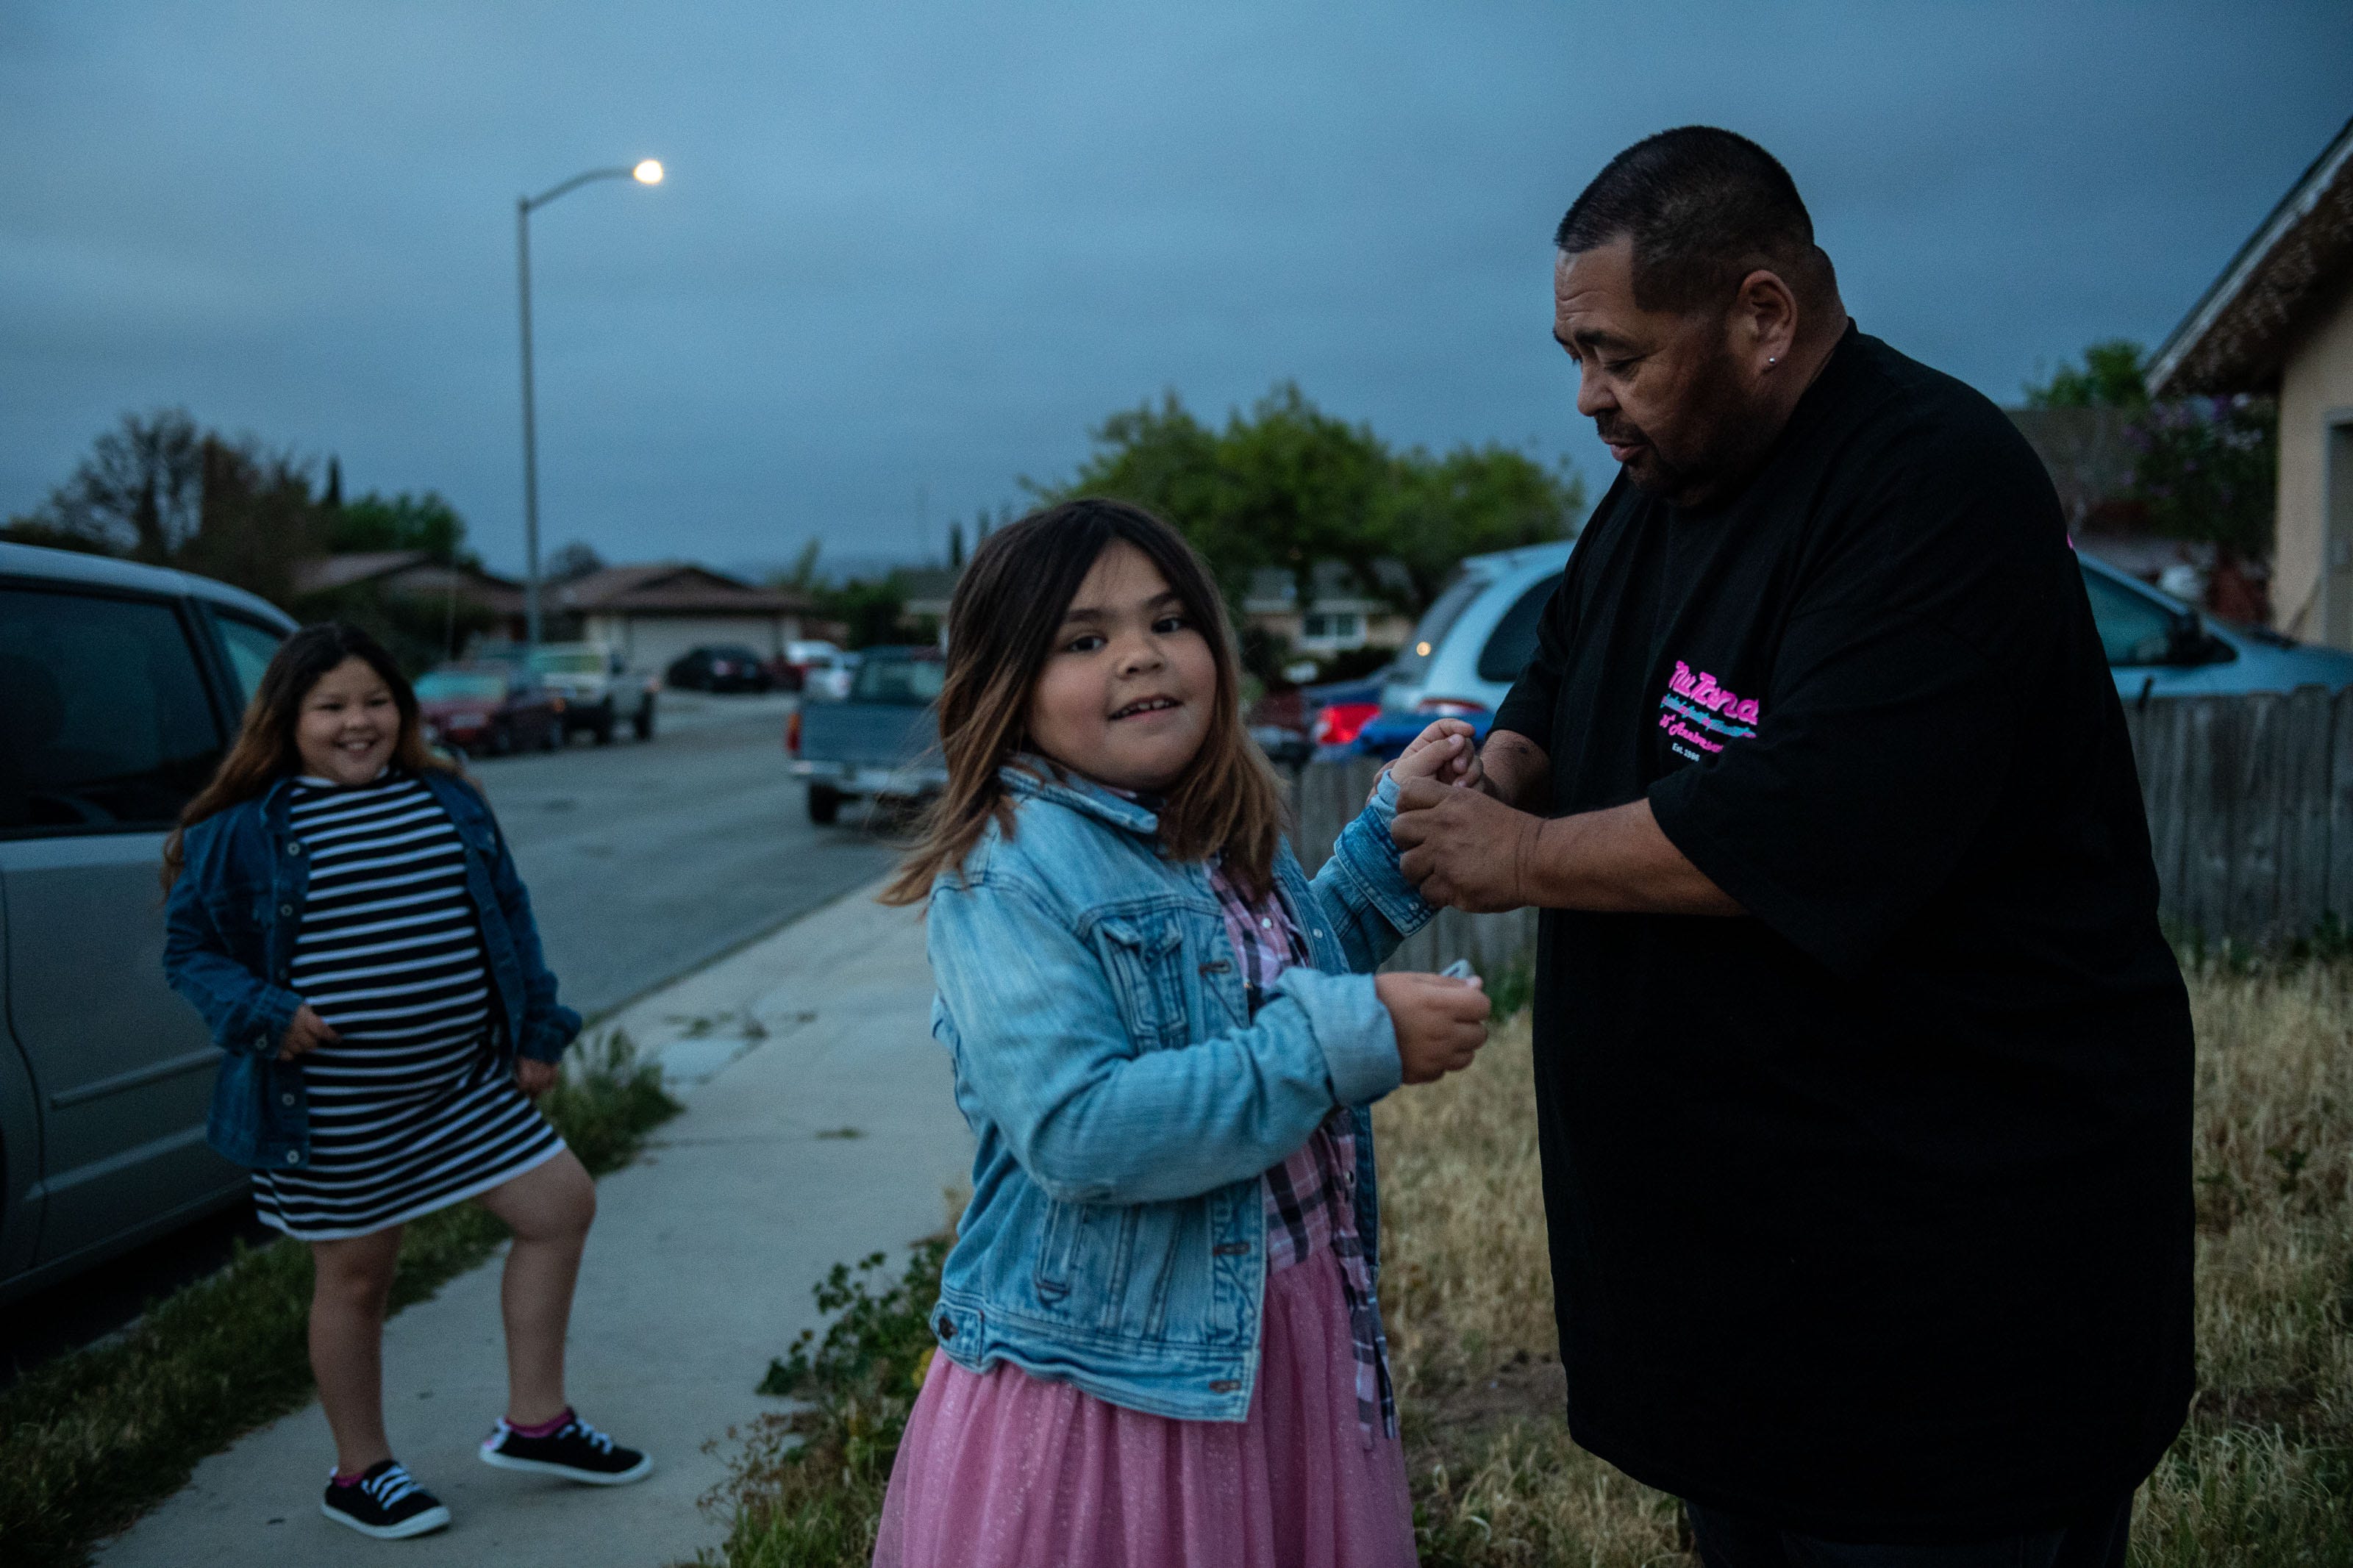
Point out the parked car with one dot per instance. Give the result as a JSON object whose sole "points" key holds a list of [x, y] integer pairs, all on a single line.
{"points": [[721, 667], [825, 675], [119, 686], [881, 740], [2160, 646], [793, 666], [1468, 647], [488, 708], [598, 690], [1308, 722]]}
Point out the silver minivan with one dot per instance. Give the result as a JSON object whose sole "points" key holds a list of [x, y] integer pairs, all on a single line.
{"points": [[120, 687]]}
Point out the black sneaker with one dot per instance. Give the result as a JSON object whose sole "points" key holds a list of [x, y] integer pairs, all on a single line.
{"points": [[385, 1502], [575, 1450]]}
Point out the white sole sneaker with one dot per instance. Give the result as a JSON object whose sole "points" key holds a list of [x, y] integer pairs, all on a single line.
{"points": [[432, 1518], [637, 1472]]}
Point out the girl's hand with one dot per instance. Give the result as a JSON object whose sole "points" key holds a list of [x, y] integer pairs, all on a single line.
{"points": [[306, 1033], [1440, 1022], [534, 1078], [1447, 752]]}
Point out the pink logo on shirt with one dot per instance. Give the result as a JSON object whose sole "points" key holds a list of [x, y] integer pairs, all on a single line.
{"points": [[1697, 712]]}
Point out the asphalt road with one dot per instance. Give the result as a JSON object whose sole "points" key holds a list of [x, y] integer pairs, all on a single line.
{"points": [[647, 860]]}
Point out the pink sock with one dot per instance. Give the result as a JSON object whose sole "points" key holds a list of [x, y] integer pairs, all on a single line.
{"points": [[545, 1429], [348, 1477]]}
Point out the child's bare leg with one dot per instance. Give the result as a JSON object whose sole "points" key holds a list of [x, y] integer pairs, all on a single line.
{"points": [[352, 1278], [549, 1208]]}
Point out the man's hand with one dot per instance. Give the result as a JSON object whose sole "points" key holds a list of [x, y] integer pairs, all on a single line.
{"points": [[305, 1034], [1440, 1022], [533, 1076], [1464, 848]]}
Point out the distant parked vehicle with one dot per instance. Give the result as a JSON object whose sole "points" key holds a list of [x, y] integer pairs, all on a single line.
{"points": [[800, 659], [1468, 647], [721, 667], [2160, 646], [1308, 722], [599, 691], [881, 740], [119, 686], [826, 675], [487, 708]]}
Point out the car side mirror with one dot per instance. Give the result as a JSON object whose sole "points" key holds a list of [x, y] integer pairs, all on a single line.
{"points": [[2188, 642]]}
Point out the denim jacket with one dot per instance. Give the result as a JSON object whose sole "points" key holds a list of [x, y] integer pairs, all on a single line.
{"points": [[1126, 1100], [228, 946]]}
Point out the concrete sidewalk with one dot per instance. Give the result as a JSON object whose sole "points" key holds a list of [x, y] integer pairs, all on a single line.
{"points": [[821, 1126]]}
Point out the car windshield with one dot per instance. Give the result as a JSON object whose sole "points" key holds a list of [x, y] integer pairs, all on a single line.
{"points": [[442, 685], [568, 662], [735, 654], [1413, 659], [1513, 640], [909, 682], [2134, 628]]}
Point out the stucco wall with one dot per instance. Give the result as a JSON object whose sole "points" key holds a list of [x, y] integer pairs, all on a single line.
{"points": [[2318, 377]]}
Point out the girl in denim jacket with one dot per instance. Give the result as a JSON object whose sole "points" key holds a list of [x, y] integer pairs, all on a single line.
{"points": [[1160, 1340], [345, 914]]}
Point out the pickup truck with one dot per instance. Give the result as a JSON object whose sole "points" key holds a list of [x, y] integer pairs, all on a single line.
{"points": [[881, 741]]}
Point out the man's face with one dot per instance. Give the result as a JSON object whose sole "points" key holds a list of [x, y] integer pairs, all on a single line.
{"points": [[1662, 388]]}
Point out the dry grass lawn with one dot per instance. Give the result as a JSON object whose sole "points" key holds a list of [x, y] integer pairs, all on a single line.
{"points": [[2262, 1476]]}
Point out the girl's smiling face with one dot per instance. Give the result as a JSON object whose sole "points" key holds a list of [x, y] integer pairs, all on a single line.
{"points": [[1126, 695], [348, 724]]}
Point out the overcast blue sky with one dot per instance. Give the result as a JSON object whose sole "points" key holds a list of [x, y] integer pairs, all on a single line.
{"points": [[924, 247]]}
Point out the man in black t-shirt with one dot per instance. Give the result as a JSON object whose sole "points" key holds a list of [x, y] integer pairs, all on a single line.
{"points": [[1862, 1069]]}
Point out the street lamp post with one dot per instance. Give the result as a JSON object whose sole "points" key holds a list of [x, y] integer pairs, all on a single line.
{"points": [[647, 173]]}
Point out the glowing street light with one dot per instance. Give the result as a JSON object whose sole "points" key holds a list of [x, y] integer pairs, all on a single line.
{"points": [[648, 172]]}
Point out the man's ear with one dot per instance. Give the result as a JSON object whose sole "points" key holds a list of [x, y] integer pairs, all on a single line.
{"points": [[1764, 319]]}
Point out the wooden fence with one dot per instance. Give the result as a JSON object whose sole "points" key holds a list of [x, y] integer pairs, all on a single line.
{"points": [[2250, 802]]}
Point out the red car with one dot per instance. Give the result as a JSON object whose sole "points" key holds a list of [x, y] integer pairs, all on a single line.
{"points": [[489, 709]]}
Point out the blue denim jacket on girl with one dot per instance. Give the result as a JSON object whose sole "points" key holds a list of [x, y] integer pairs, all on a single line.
{"points": [[1127, 1102], [228, 946]]}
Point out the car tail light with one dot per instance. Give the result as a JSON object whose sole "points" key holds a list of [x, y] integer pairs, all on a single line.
{"points": [[1339, 723], [556, 704], [1451, 708], [793, 733]]}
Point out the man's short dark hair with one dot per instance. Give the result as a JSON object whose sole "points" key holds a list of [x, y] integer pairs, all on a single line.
{"points": [[1705, 209]]}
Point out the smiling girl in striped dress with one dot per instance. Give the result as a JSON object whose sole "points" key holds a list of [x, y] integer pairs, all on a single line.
{"points": [[344, 913]]}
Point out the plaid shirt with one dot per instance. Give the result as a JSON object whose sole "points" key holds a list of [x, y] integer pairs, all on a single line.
{"points": [[1311, 1198]]}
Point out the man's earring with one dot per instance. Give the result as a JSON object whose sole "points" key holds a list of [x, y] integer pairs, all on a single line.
{"points": [[1772, 359]]}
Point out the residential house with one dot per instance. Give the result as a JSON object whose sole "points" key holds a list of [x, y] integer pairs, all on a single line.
{"points": [[416, 575], [2279, 322], [652, 614], [1339, 615]]}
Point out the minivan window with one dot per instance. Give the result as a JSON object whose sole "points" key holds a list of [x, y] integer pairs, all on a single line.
{"points": [[1436, 621], [1514, 639], [107, 724], [2132, 630], [250, 650]]}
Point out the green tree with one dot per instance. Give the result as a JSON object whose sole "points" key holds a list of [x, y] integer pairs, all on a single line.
{"points": [[2208, 471], [138, 494], [403, 521], [1287, 486], [2113, 376]]}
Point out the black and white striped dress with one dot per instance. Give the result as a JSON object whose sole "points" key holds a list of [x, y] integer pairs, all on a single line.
{"points": [[411, 1111]]}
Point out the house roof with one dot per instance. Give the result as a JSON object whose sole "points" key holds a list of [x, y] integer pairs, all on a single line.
{"points": [[408, 572], [321, 574], [674, 588], [2238, 335], [1274, 590]]}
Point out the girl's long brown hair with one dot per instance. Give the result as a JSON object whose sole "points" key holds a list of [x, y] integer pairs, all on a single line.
{"points": [[1001, 626], [264, 750]]}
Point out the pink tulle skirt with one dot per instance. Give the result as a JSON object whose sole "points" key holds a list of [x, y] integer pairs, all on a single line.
{"points": [[1006, 1470]]}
